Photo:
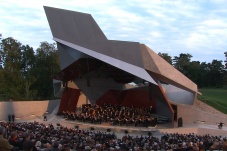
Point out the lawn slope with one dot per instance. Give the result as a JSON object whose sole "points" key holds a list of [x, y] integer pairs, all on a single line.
{"points": [[215, 97]]}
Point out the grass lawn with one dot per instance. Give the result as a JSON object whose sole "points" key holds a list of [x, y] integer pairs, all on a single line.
{"points": [[216, 97]]}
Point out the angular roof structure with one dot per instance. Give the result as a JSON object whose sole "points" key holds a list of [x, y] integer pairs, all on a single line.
{"points": [[81, 32], [88, 57]]}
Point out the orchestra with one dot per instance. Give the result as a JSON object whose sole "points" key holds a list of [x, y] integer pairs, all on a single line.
{"points": [[115, 115]]}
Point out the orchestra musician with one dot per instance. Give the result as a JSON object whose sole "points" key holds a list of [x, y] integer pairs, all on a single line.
{"points": [[116, 115]]}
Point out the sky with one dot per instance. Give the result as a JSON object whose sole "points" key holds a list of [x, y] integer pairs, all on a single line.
{"points": [[197, 27]]}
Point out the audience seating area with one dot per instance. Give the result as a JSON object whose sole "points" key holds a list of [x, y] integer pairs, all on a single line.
{"points": [[49, 137]]}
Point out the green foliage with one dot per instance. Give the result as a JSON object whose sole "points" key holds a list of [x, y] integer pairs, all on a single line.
{"points": [[215, 97], [193, 71], [46, 66], [11, 82], [166, 57], [203, 74], [25, 75], [182, 63]]}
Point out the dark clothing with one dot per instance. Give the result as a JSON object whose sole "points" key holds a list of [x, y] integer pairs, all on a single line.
{"points": [[53, 149], [20, 143], [27, 145], [45, 118], [9, 118], [13, 118], [14, 142]]}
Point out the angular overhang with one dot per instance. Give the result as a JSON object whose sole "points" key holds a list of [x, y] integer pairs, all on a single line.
{"points": [[80, 32]]}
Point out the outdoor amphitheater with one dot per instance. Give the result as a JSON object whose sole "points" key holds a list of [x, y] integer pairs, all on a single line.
{"points": [[113, 95]]}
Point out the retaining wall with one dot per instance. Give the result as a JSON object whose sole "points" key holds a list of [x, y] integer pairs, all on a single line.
{"points": [[26, 109], [191, 115]]}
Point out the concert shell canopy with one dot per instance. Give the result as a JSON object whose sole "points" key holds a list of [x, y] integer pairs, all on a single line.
{"points": [[104, 70]]}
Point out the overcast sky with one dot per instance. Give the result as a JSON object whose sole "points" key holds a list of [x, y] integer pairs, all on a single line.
{"points": [[197, 27]]}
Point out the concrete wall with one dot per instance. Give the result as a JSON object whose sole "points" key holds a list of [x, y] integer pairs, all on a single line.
{"points": [[26, 109], [191, 115]]}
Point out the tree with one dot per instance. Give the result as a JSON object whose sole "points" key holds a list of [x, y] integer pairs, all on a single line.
{"points": [[11, 72], [46, 66], [216, 71], [25, 75], [27, 63], [182, 63], [204, 79], [166, 57], [225, 70], [193, 71]]}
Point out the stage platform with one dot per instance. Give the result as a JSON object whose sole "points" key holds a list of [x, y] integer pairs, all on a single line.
{"points": [[158, 130], [118, 130], [106, 126]]}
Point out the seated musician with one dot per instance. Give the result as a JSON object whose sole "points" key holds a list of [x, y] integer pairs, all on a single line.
{"points": [[64, 114]]}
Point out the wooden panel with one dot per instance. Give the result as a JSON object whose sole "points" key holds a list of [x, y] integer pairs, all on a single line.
{"points": [[74, 97], [65, 100], [135, 98], [110, 97]]}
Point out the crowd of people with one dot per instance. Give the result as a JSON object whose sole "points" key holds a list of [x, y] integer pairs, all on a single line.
{"points": [[116, 115], [34, 136]]}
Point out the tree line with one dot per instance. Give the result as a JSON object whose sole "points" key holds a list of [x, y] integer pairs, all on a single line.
{"points": [[27, 74], [202, 73]]}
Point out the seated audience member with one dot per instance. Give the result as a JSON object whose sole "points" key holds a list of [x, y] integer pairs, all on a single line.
{"points": [[4, 143], [28, 145], [216, 145], [38, 145], [13, 141], [26, 136], [54, 147], [47, 138]]}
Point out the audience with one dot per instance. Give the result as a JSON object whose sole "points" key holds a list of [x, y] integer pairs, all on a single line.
{"points": [[13, 139], [4, 143], [28, 145], [36, 136]]}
